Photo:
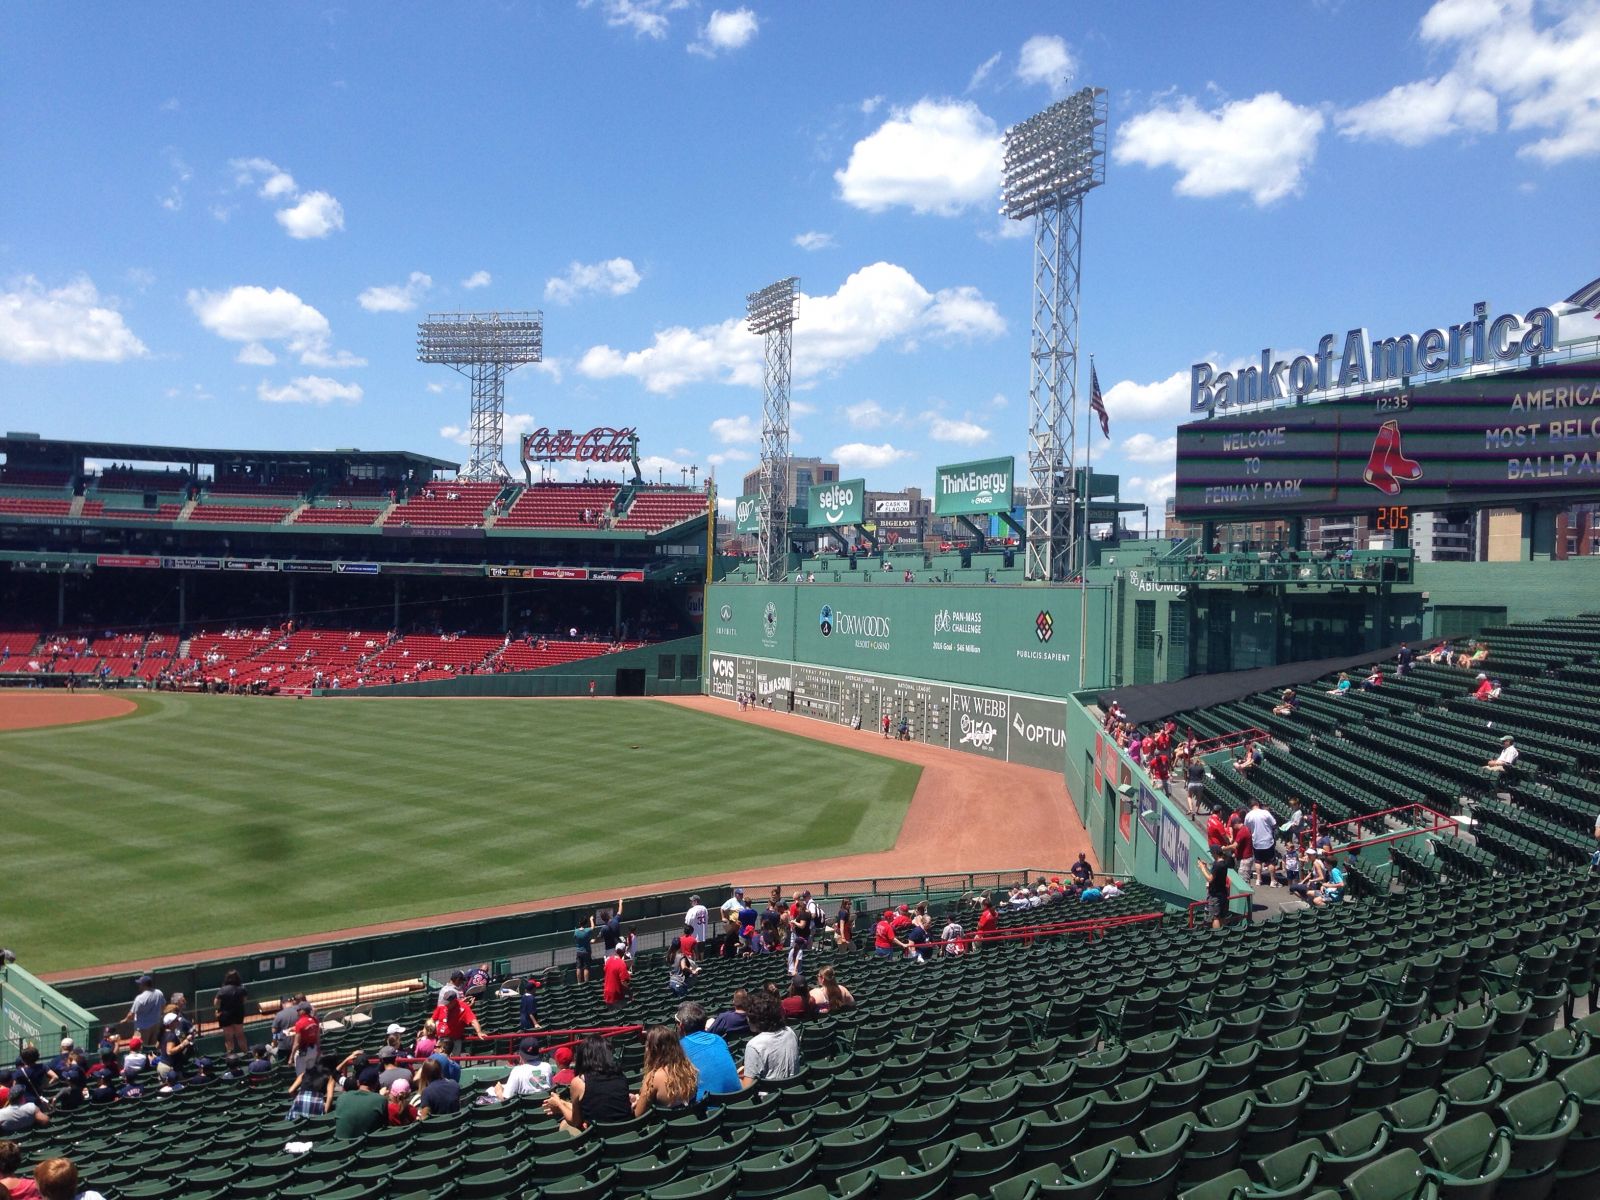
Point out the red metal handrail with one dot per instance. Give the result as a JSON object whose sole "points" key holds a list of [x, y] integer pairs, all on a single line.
{"points": [[1229, 741], [1194, 904], [1439, 821]]}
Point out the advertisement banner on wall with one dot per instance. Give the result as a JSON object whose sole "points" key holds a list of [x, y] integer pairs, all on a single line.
{"points": [[983, 486], [1175, 848], [1037, 733], [840, 503], [1149, 813], [747, 514], [724, 668], [978, 722]]}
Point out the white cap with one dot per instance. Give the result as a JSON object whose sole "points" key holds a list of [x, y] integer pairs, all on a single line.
{"points": [[396, 1028], [66, 1043], [169, 1019]]}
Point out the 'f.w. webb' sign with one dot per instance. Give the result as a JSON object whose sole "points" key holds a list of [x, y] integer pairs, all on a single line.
{"points": [[600, 444]]}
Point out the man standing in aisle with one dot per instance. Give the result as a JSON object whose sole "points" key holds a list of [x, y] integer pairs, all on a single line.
{"points": [[698, 920], [1263, 828]]}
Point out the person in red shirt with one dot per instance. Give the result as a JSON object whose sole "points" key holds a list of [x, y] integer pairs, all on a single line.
{"points": [[988, 921], [884, 941], [1243, 847], [902, 919], [1218, 836], [454, 1017], [1484, 690], [305, 1036], [564, 1071], [617, 976]]}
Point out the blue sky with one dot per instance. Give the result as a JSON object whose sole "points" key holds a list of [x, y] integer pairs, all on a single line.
{"points": [[220, 224]]}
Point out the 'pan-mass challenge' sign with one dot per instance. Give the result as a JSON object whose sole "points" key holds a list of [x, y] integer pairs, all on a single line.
{"points": [[1498, 439]]}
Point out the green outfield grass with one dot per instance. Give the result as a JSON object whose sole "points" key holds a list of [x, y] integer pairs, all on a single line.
{"points": [[206, 821]]}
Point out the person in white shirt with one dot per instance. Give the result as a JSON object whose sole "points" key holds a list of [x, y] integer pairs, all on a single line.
{"points": [[732, 905], [1507, 756], [698, 920], [530, 1077], [1263, 828]]}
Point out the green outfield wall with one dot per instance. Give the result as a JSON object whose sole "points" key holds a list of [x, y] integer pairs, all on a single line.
{"points": [[31, 1011]]}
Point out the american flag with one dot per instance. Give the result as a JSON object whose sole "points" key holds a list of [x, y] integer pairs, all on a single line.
{"points": [[1097, 404]]}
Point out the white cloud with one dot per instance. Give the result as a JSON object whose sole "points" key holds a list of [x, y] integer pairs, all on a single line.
{"points": [[726, 31], [1046, 60], [1165, 399], [725, 457], [516, 424], [733, 431], [866, 457], [869, 414], [1152, 490], [1147, 448], [799, 408], [947, 429], [938, 156], [643, 17], [813, 240], [982, 72], [871, 105], [879, 303], [478, 279], [253, 314], [1414, 113], [310, 389], [1261, 146], [613, 277], [73, 323], [437, 389], [1534, 60], [315, 216], [172, 201], [396, 297], [998, 400], [255, 355]]}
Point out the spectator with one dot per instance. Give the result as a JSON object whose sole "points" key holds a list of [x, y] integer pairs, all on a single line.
{"points": [[844, 921], [732, 905], [1082, 873], [229, 1005], [1243, 843], [1403, 660], [1341, 687], [1439, 655], [830, 996], [1294, 826], [57, 1179], [713, 1063], [528, 1005], [564, 1072], [454, 1016], [988, 922], [312, 1089], [1112, 888], [389, 1068], [177, 1044], [477, 980], [698, 921], [1253, 755], [682, 972], [10, 1184], [796, 1002], [1485, 689], [1090, 893], [529, 1077], [1288, 704], [1194, 785], [885, 943], [1506, 758], [1263, 828], [583, 948], [19, 1113], [427, 1041], [305, 1038], [1218, 836], [260, 1061], [609, 922], [1216, 873], [735, 1020], [669, 1079], [598, 1091], [773, 1053], [31, 1077], [283, 1024], [618, 977], [437, 1096], [360, 1112], [398, 1109], [144, 1014], [1333, 890], [954, 937], [801, 925], [916, 937], [1374, 681]]}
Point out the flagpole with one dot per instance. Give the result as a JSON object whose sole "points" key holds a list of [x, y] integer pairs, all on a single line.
{"points": [[1083, 567]]}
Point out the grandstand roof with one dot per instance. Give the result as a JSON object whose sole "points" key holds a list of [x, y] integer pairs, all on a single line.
{"points": [[31, 447]]}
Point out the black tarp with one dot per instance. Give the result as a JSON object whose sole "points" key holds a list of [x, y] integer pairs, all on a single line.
{"points": [[1156, 701]]}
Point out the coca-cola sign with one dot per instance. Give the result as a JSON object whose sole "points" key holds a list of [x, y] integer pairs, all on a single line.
{"points": [[600, 444]]}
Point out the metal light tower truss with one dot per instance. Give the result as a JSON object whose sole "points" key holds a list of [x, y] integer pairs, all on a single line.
{"points": [[1052, 161], [485, 347], [772, 313]]}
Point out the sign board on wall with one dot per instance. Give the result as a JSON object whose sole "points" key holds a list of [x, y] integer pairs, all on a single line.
{"points": [[983, 486], [839, 503], [747, 514], [1465, 443]]}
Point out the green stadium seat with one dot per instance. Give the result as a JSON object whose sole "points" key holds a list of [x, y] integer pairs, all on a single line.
{"points": [[779, 1172], [1474, 1091], [1471, 1156], [1351, 1145], [1178, 1088], [1397, 1176], [1217, 1141], [716, 1184], [1289, 1173], [1276, 1117], [1541, 1120], [1519, 1069]]}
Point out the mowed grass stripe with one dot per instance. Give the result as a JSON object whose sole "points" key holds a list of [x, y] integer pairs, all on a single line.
{"points": [[205, 821]]}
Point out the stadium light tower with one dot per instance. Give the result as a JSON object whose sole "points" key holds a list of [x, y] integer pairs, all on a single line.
{"points": [[772, 313], [485, 347], [1052, 161]]}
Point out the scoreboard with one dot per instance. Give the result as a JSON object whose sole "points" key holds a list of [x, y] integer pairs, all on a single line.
{"points": [[1466, 443]]}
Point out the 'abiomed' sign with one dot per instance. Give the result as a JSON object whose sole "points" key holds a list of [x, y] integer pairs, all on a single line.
{"points": [[974, 487]]}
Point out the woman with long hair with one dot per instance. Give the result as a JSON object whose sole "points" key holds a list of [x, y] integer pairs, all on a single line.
{"points": [[598, 1091], [670, 1079], [313, 1090], [230, 1002], [831, 996]]}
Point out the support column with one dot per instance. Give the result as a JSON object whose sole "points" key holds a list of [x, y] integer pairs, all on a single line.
{"points": [[505, 606], [1538, 533], [294, 602], [395, 620], [1297, 533], [616, 620], [183, 603], [61, 601]]}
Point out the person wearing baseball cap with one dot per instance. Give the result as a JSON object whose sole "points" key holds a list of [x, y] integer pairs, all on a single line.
{"points": [[530, 1077], [400, 1110], [1507, 757]]}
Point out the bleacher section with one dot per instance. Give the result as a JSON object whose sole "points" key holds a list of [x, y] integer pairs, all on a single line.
{"points": [[112, 480], [453, 503], [239, 514], [28, 506], [331, 514], [654, 510], [34, 477], [559, 506]]}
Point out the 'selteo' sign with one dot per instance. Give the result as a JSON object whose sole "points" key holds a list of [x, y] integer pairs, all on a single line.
{"points": [[600, 444]]}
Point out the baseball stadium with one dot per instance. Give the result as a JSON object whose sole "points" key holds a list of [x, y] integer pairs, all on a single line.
{"points": [[386, 826]]}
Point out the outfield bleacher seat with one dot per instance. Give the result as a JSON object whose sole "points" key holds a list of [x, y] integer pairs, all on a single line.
{"points": [[559, 506], [653, 509], [454, 503], [239, 514]]}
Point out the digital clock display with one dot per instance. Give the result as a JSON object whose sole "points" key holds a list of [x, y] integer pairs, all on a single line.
{"points": [[1391, 518]]}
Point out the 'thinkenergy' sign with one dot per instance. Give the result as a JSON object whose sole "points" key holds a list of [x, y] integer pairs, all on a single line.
{"points": [[974, 487]]}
